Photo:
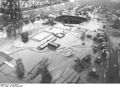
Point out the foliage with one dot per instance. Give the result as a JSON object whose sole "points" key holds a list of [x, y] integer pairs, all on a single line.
{"points": [[20, 71], [46, 76], [42, 68], [98, 61], [11, 12], [116, 24], [93, 75], [95, 49], [78, 67], [86, 61], [81, 65]]}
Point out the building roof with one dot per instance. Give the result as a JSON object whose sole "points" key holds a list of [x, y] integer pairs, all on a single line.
{"points": [[4, 57]]}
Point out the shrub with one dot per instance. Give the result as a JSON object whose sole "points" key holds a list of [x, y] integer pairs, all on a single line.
{"points": [[93, 75], [78, 67], [25, 37], [42, 69], [46, 76], [20, 71], [86, 61]]}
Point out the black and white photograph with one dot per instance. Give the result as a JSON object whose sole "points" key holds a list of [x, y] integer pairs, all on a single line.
{"points": [[59, 41]]}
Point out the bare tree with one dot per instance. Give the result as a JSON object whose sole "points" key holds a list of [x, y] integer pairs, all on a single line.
{"points": [[11, 14]]}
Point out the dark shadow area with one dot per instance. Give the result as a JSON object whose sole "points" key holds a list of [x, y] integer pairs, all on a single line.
{"points": [[70, 19], [116, 24]]}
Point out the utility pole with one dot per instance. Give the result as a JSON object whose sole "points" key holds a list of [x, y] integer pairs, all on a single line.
{"points": [[11, 15]]}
